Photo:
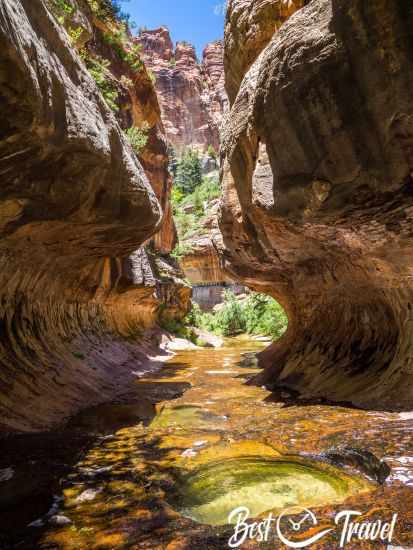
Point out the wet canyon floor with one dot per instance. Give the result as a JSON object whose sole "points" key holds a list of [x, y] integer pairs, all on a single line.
{"points": [[164, 470]]}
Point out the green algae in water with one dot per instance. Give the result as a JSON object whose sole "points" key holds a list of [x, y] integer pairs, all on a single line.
{"points": [[185, 416], [210, 493]]}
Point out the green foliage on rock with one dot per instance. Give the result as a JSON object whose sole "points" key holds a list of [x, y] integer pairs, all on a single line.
{"points": [[125, 49], [75, 34], [179, 329], [152, 77], [64, 12], [181, 250], [99, 69], [258, 314], [190, 210], [61, 9], [138, 137], [108, 10]]}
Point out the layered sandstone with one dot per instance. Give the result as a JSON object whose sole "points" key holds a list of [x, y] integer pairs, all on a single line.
{"points": [[201, 263], [75, 206], [317, 163], [191, 94]]}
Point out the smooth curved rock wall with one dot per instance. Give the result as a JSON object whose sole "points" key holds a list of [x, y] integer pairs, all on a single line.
{"points": [[75, 206], [317, 164]]}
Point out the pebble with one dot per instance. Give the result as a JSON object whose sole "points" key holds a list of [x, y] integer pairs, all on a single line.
{"points": [[88, 495], [188, 453], [60, 520], [96, 472]]}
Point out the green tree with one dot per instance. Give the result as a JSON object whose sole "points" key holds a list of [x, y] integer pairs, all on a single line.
{"points": [[264, 315], [189, 172], [259, 314]]}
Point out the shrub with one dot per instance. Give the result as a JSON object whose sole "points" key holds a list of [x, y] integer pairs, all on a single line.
{"points": [[189, 223], [179, 329], [152, 77], [259, 314], [126, 50], [109, 10], [186, 223], [138, 137], [176, 197], [209, 189], [181, 250], [230, 318], [74, 35], [264, 315], [61, 9], [99, 69]]}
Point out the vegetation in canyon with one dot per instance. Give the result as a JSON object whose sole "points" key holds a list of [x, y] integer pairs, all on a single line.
{"points": [[191, 196], [314, 206], [138, 137], [257, 314]]}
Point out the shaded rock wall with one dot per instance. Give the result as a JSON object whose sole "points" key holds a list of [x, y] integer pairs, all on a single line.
{"points": [[191, 94], [75, 205], [138, 106], [317, 160]]}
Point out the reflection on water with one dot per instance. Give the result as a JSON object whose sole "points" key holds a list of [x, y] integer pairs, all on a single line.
{"points": [[163, 470]]}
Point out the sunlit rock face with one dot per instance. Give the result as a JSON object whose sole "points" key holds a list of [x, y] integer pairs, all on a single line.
{"points": [[249, 26], [191, 93], [317, 160], [75, 205], [201, 262]]}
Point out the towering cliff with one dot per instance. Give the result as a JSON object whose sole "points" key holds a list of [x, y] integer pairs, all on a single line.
{"points": [[106, 44], [191, 94], [193, 99], [317, 164], [75, 206]]}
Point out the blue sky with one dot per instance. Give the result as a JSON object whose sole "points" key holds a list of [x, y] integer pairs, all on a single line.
{"points": [[196, 21]]}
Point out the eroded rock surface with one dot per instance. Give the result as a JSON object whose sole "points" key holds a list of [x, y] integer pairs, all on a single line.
{"points": [[317, 160], [201, 261], [75, 205], [191, 94]]}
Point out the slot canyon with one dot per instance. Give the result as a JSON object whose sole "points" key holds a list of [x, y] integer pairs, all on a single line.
{"points": [[129, 418]]}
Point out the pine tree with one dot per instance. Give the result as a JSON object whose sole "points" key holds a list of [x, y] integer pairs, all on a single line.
{"points": [[189, 172]]}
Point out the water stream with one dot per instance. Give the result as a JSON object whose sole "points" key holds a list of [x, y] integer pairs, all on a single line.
{"points": [[164, 470]]}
